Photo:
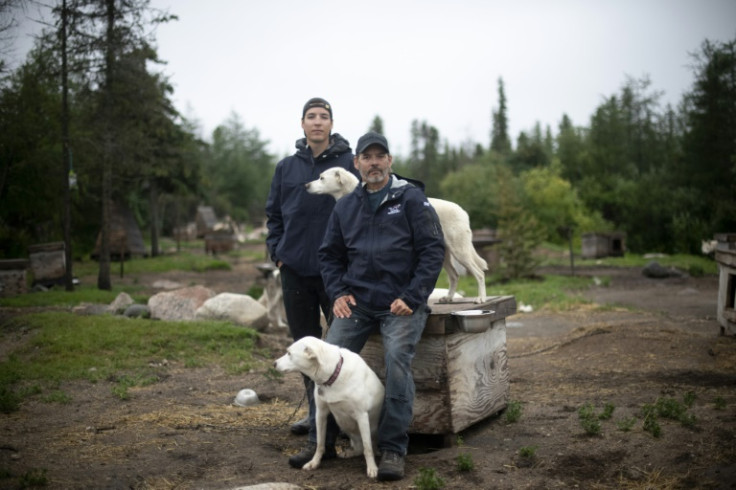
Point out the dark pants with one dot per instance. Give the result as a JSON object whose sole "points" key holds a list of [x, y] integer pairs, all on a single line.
{"points": [[304, 296]]}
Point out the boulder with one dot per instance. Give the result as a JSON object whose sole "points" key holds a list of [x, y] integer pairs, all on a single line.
{"points": [[180, 304], [654, 270], [240, 309], [137, 311], [121, 302]]}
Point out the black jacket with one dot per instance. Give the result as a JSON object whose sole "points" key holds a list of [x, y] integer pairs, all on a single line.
{"points": [[396, 252], [296, 220]]}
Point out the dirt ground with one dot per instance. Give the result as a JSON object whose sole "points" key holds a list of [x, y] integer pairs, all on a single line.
{"points": [[655, 339]]}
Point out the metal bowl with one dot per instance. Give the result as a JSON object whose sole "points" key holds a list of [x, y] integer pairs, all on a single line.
{"points": [[473, 321], [246, 398]]}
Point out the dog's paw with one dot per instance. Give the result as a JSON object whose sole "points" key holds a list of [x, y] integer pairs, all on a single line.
{"points": [[372, 471], [312, 465], [445, 300]]}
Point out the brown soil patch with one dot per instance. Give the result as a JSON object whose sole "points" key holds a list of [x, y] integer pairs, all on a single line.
{"points": [[659, 340]]}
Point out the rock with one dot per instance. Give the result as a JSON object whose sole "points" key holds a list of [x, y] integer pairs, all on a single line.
{"points": [[121, 302], [166, 284], [655, 271], [137, 311], [240, 309], [91, 309], [180, 304]]}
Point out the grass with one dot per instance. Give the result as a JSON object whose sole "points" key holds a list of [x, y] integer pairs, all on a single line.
{"points": [[63, 347], [58, 297], [180, 261], [553, 292], [681, 261]]}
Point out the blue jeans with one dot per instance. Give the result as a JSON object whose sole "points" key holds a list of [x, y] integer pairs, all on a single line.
{"points": [[400, 335], [304, 297]]}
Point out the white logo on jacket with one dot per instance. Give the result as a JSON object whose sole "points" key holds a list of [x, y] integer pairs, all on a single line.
{"points": [[394, 209]]}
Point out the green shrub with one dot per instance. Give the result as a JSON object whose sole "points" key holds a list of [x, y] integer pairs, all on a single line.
{"points": [[465, 462], [513, 412], [428, 480], [528, 452]]}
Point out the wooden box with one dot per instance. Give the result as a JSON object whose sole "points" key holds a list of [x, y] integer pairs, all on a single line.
{"points": [[726, 314], [461, 378], [13, 277], [48, 263]]}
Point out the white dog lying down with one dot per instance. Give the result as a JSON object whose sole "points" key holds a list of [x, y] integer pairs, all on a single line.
{"points": [[455, 222], [345, 386]]}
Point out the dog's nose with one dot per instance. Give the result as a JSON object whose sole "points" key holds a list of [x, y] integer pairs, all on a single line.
{"points": [[306, 185]]}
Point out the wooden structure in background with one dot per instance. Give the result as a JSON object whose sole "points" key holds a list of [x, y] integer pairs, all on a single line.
{"points": [[126, 239], [461, 378], [205, 220], [48, 263], [726, 257], [13, 279], [484, 240], [598, 245]]}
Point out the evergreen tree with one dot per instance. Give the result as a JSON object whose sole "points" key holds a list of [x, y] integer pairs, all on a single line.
{"points": [[376, 125], [500, 141], [709, 144]]}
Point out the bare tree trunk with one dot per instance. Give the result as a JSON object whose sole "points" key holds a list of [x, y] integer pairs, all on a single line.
{"points": [[103, 278], [68, 281], [153, 205]]}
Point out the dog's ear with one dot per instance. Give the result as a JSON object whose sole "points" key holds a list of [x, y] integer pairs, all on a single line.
{"points": [[337, 175], [309, 352]]}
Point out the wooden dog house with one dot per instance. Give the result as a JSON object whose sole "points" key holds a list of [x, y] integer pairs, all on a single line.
{"points": [[726, 257], [126, 239], [48, 263], [461, 378], [598, 244]]}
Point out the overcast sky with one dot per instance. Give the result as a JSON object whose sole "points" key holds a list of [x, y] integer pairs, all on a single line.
{"points": [[432, 60]]}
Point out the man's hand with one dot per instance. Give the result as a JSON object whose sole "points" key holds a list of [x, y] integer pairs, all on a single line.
{"points": [[341, 308], [399, 308]]}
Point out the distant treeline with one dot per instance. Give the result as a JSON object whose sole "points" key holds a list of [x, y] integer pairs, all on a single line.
{"points": [[85, 121]]}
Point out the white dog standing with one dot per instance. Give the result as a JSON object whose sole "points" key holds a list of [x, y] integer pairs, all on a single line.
{"points": [[345, 386], [455, 222]]}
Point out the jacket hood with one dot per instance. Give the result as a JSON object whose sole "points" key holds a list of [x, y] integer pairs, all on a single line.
{"points": [[338, 146]]}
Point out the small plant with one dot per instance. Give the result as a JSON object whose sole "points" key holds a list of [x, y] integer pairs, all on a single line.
{"points": [[589, 420], [33, 478], [689, 398], [513, 412], [9, 400], [720, 403], [58, 396], [607, 412], [121, 387], [465, 462], [428, 480], [651, 425], [528, 452], [625, 425], [672, 409], [273, 375]]}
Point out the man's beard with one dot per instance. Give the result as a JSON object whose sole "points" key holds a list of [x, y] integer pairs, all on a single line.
{"points": [[372, 178]]}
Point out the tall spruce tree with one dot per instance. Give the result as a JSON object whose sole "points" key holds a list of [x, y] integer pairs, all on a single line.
{"points": [[709, 143], [500, 141]]}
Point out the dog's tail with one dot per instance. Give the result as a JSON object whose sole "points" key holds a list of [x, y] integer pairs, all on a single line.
{"points": [[477, 260], [480, 262]]}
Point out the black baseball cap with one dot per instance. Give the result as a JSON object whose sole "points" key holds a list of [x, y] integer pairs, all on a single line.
{"points": [[369, 139], [317, 102]]}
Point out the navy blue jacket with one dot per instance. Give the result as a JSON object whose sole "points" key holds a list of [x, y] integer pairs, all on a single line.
{"points": [[396, 252], [296, 220]]}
